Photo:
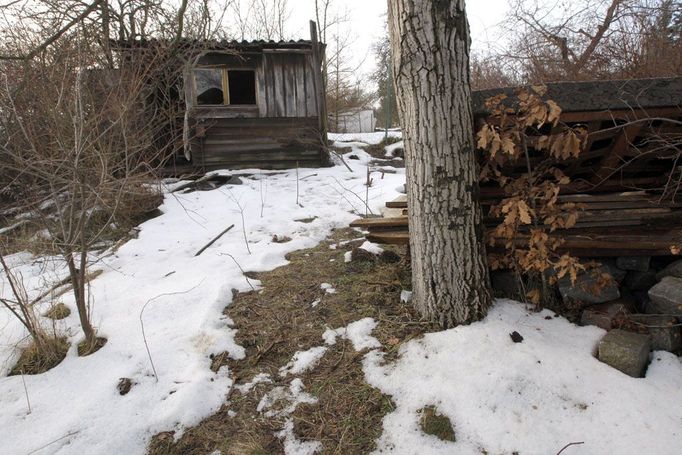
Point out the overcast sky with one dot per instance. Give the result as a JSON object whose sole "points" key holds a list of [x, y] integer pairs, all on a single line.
{"points": [[368, 16]]}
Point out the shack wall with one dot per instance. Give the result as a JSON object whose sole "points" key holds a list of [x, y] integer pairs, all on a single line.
{"points": [[280, 131]]}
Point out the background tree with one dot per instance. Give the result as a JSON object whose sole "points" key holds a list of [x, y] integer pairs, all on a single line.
{"points": [[384, 82], [592, 39], [430, 51]]}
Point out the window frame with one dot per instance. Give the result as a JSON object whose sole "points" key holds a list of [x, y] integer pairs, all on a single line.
{"points": [[225, 81]]}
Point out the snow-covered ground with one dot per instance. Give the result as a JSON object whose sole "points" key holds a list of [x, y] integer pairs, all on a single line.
{"points": [[532, 397], [76, 407]]}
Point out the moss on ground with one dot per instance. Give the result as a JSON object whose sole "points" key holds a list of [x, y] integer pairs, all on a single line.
{"points": [[436, 424]]}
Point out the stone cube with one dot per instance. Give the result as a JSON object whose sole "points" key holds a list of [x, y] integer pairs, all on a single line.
{"points": [[625, 351], [666, 297]]}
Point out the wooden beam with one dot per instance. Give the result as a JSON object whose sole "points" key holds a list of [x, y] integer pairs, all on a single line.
{"points": [[614, 158]]}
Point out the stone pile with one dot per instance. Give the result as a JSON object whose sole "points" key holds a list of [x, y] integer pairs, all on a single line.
{"points": [[640, 307]]}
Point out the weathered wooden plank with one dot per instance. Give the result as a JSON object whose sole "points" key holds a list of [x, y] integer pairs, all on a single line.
{"points": [[373, 223], [227, 112], [299, 70], [579, 246], [617, 152], [310, 93], [269, 75], [289, 74], [291, 164], [278, 68], [261, 92]]}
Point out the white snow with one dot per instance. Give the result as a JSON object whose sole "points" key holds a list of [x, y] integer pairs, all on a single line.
{"points": [[328, 288], [303, 361], [532, 397], [391, 149], [358, 333], [76, 407], [347, 256], [260, 378], [367, 138], [371, 248], [405, 296]]}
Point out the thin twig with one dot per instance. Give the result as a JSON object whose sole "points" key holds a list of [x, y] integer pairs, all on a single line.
{"points": [[569, 445], [144, 335], [241, 269], [71, 433], [28, 401]]}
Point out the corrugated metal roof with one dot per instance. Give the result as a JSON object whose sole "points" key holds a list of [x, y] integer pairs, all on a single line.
{"points": [[216, 44]]}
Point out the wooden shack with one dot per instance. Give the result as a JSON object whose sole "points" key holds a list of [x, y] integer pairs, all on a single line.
{"points": [[255, 104]]}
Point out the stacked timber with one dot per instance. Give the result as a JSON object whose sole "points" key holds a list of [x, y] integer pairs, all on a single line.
{"points": [[627, 178], [610, 224]]}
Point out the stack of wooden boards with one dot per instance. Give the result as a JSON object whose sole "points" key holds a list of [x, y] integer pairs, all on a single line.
{"points": [[628, 177], [611, 224]]}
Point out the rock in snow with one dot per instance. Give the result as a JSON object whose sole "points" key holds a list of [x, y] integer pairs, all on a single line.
{"points": [[625, 351]]}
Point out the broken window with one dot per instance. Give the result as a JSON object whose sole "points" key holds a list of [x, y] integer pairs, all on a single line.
{"points": [[242, 86], [209, 83], [222, 86]]}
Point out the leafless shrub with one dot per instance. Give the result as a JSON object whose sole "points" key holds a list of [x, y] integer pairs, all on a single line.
{"points": [[586, 39], [45, 350]]}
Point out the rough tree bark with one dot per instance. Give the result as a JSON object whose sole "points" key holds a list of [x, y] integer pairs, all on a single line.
{"points": [[430, 47]]}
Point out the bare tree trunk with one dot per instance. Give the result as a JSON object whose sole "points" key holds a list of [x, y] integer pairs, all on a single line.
{"points": [[430, 51], [78, 278]]}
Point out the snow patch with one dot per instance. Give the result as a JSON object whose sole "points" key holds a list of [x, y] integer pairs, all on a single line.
{"points": [[405, 296], [303, 361], [371, 248], [358, 333]]}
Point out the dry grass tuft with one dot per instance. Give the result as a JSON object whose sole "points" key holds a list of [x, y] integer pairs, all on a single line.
{"points": [[36, 359], [278, 321], [85, 349], [58, 311]]}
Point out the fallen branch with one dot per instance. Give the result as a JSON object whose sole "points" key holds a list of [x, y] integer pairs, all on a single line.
{"points": [[54, 287], [213, 241], [340, 157], [7, 229]]}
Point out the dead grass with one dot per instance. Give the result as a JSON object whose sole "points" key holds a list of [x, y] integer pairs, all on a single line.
{"points": [[36, 360], [277, 322], [85, 349], [58, 311]]}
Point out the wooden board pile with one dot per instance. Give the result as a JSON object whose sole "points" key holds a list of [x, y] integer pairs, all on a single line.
{"points": [[627, 178], [611, 224]]}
